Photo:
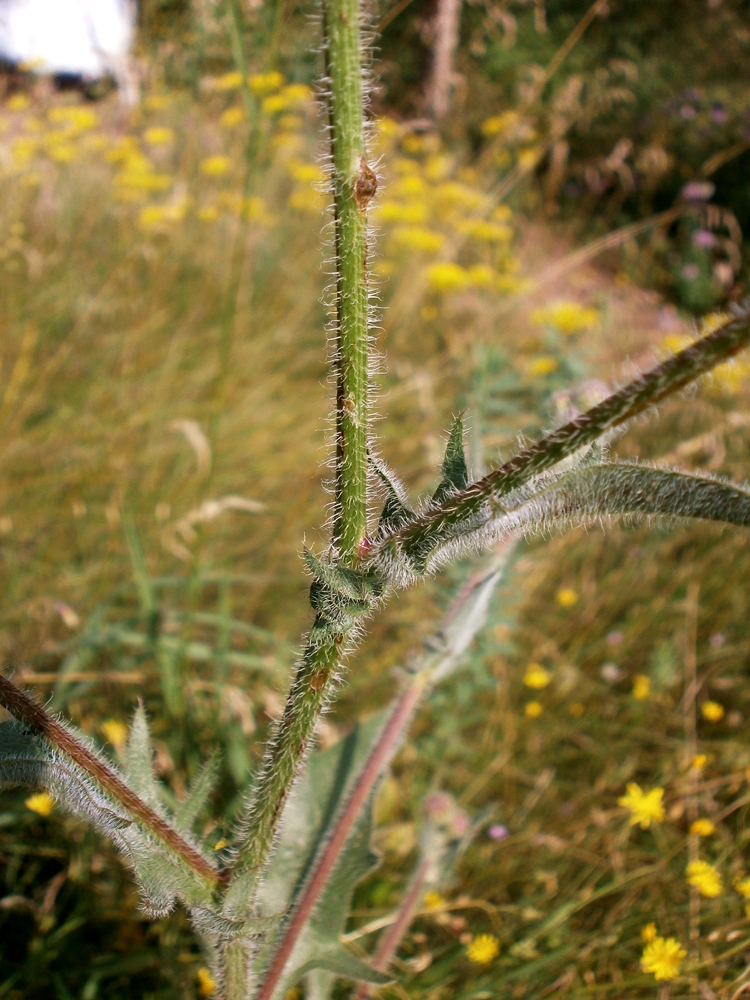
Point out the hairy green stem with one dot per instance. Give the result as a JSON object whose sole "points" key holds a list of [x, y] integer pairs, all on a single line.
{"points": [[354, 184], [481, 501], [34, 716], [287, 751]]}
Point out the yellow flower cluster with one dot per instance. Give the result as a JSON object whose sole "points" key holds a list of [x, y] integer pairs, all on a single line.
{"points": [[430, 208]]}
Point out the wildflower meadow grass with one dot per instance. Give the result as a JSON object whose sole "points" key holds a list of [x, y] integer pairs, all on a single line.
{"points": [[162, 415]]}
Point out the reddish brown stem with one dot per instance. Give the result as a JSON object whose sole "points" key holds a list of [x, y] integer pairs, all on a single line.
{"points": [[376, 764], [395, 934], [34, 716]]}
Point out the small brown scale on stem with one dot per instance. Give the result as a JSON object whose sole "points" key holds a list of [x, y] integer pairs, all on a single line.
{"points": [[318, 680], [365, 185]]}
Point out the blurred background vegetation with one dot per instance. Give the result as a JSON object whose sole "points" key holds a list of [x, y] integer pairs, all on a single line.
{"points": [[163, 407]]}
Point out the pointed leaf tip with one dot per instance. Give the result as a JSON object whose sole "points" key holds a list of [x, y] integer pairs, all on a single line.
{"points": [[455, 472], [396, 511]]}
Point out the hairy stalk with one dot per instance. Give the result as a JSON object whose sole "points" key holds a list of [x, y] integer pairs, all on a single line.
{"points": [[286, 753], [470, 606], [34, 716], [482, 501], [354, 184]]}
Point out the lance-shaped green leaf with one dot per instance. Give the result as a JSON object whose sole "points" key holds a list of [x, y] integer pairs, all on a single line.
{"points": [[396, 511], [634, 490], [190, 808], [28, 759], [455, 473], [308, 819], [139, 759]]}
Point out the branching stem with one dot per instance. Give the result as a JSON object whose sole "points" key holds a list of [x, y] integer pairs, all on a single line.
{"points": [[417, 539], [354, 184]]}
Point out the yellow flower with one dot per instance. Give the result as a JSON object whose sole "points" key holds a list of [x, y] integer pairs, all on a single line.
{"points": [[742, 885], [208, 213], [712, 322], [499, 123], [451, 194], [158, 136], [705, 878], [644, 807], [408, 188], [702, 827], [487, 232], [292, 96], [229, 81], [156, 102], [483, 948], [290, 122], [712, 711], [433, 901], [115, 732], [156, 216], [306, 199], [536, 676], [566, 597], [231, 117], [206, 983], [482, 275], [41, 803], [393, 211], [641, 687], [418, 238], [215, 166], [18, 102], [532, 709], [264, 83], [24, 148], [77, 119], [220, 844], [673, 343], [543, 365], [528, 158], [447, 276], [699, 761], [567, 317], [663, 957], [62, 152], [256, 210], [648, 933], [306, 173]]}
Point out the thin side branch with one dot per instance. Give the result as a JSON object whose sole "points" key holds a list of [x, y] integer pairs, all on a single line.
{"points": [[483, 499]]}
